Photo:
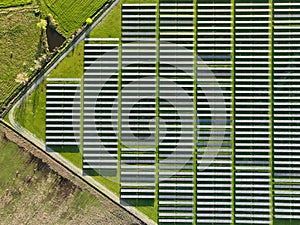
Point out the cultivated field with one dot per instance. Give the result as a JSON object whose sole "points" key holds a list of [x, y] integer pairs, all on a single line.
{"points": [[70, 14], [32, 193], [10, 3]]}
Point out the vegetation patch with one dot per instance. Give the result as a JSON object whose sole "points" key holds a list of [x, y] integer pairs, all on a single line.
{"points": [[20, 44], [32, 193], [12, 3], [70, 14]]}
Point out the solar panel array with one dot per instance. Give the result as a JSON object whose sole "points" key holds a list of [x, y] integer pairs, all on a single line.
{"points": [[100, 109], [63, 106], [176, 113], [138, 148], [196, 109], [252, 112], [214, 112], [286, 108]]}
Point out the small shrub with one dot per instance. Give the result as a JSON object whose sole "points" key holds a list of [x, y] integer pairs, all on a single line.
{"points": [[89, 21], [42, 24], [51, 21], [37, 12]]}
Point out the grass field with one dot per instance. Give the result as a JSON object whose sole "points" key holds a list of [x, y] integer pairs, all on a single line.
{"points": [[31, 193], [10, 3], [70, 14], [20, 46]]}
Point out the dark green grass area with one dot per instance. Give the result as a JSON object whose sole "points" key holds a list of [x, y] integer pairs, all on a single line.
{"points": [[70, 14], [20, 45], [12, 3], [286, 222]]}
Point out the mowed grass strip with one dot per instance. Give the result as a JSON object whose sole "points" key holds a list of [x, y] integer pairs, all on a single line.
{"points": [[20, 45], [70, 14], [12, 3]]}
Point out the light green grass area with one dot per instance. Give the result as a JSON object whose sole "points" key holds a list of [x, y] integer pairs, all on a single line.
{"points": [[72, 65], [150, 211], [20, 45], [110, 27], [12, 3], [70, 14], [32, 113], [110, 183], [75, 158]]}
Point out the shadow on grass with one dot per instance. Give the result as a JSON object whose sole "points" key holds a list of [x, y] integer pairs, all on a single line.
{"points": [[100, 172], [286, 222], [63, 149], [137, 202]]}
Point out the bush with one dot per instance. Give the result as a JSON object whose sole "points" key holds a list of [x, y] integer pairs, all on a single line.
{"points": [[42, 24], [52, 23], [89, 21], [37, 12]]}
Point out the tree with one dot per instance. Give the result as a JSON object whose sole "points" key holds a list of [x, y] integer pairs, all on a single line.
{"points": [[42, 24], [89, 21]]}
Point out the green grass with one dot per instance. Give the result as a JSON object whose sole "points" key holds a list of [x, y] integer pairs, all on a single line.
{"points": [[111, 183], [32, 112], [70, 14], [72, 66], [150, 211], [110, 27], [12, 3], [12, 159], [20, 46], [74, 158], [285, 222]]}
